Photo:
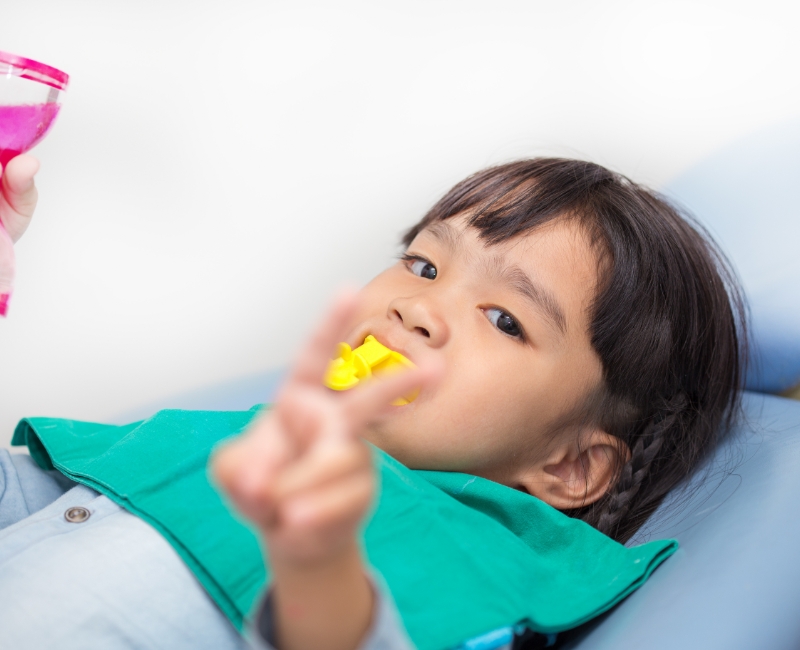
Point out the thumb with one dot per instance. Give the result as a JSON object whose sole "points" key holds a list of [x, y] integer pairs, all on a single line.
{"points": [[19, 194]]}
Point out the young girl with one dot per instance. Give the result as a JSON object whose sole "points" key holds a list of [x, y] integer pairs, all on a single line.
{"points": [[576, 338]]}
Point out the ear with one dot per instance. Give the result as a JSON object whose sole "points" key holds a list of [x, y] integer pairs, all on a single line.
{"points": [[578, 472]]}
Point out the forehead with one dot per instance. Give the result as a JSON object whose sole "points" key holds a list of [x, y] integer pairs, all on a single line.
{"points": [[560, 242]]}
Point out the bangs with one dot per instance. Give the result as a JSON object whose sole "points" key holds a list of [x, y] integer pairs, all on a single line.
{"points": [[509, 200]]}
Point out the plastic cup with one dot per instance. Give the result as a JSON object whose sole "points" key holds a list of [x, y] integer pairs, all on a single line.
{"points": [[30, 98]]}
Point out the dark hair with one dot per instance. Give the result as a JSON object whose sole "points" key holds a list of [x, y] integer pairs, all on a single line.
{"points": [[667, 321]]}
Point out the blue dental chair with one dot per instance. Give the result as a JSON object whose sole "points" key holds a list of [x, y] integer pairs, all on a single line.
{"points": [[735, 581]]}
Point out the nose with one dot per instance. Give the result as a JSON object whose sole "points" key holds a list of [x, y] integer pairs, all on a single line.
{"points": [[417, 315]]}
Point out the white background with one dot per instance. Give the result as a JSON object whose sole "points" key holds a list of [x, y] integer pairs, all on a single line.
{"points": [[219, 168]]}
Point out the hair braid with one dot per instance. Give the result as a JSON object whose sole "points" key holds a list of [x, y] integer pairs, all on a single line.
{"points": [[635, 471]]}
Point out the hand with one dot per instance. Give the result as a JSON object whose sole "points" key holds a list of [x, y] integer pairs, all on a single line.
{"points": [[18, 194], [301, 472]]}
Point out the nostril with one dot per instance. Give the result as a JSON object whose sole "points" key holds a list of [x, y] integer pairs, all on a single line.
{"points": [[424, 332]]}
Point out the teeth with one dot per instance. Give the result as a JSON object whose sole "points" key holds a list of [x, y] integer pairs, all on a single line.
{"points": [[370, 358]]}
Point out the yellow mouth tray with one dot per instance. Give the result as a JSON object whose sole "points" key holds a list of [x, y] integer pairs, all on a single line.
{"points": [[350, 367]]}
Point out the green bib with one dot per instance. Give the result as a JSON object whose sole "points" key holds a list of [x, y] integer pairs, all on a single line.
{"points": [[460, 555]]}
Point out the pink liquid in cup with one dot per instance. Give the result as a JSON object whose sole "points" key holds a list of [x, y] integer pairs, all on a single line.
{"points": [[23, 126]]}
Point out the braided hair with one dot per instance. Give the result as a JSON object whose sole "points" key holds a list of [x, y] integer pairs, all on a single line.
{"points": [[667, 320], [611, 514]]}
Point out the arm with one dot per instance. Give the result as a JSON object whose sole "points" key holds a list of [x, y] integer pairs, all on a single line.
{"points": [[322, 604], [302, 474], [385, 631]]}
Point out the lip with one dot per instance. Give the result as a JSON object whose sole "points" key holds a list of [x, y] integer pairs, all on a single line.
{"points": [[383, 340]]}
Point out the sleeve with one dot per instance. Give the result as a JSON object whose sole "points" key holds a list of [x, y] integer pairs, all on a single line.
{"points": [[385, 633]]}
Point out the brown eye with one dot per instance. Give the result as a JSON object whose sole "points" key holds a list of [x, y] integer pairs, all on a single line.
{"points": [[504, 322], [423, 269]]}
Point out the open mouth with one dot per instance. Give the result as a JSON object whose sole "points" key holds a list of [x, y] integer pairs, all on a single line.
{"points": [[370, 359]]}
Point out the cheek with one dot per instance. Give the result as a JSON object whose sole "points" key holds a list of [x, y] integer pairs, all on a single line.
{"points": [[497, 393], [375, 296]]}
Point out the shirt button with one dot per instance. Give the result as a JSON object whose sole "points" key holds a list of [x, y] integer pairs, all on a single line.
{"points": [[77, 515]]}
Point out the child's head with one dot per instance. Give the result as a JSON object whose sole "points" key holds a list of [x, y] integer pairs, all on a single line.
{"points": [[591, 347]]}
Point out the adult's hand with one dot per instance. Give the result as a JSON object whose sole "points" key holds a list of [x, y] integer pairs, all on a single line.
{"points": [[18, 194]]}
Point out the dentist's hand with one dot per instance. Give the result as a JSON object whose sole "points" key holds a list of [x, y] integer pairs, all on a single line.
{"points": [[18, 194]]}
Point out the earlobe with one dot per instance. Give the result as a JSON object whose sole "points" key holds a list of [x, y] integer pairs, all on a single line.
{"points": [[573, 475]]}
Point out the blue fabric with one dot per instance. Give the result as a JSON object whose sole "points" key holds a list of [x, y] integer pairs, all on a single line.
{"points": [[746, 194], [109, 582], [735, 580], [25, 489]]}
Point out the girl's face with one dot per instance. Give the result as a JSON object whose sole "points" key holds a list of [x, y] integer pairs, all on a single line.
{"points": [[509, 321]]}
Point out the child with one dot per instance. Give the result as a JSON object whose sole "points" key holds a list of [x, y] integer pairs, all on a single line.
{"points": [[574, 339]]}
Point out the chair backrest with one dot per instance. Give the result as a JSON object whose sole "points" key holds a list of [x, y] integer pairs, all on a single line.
{"points": [[735, 581], [746, 194], [234, 395]]}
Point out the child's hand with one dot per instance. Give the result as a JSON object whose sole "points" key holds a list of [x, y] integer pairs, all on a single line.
{"points": [[304, 476], [301, 472], [18, 194]]}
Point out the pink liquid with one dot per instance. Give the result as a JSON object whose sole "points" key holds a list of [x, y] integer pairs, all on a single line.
{"points": [[22, 126]]}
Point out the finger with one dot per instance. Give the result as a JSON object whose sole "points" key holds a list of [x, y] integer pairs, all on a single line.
{"points": [[367, 402], [304, 412], [314, 358], [19, 194], [253, 499], [332, 507], [247, 469], [324, 465]]}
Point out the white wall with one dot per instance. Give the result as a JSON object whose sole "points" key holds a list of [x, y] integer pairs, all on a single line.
{"points": [[220, 167]]}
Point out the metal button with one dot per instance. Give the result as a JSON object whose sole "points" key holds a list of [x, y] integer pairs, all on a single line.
{"points": [[77, 515]]}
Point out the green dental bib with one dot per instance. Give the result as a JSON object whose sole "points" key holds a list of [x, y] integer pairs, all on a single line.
{"points": [[460, 555]]}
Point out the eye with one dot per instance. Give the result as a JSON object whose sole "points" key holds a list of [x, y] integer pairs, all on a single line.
{"points": [[504, 322], [421, 267]]}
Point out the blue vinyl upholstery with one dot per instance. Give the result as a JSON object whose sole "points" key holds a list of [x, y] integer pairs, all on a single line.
{"points": [[735, 581], [746, 195]]}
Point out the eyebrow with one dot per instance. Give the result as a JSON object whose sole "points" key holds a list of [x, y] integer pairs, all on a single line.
{"points": [[534, 293], [510, 275]]}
